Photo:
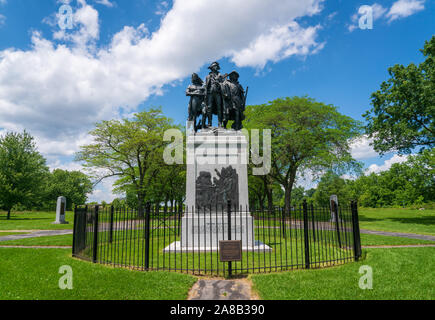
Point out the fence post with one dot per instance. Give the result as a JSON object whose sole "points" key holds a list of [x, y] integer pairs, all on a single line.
{"points": [[111, 224], [75, 231], [230, 266], [337, 226], [313, 222], [147, 235], [306, 236], [283, 222], [95, 244], [180, 209], [356, 232]]}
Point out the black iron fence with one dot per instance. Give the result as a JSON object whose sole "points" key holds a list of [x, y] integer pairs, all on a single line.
{"points": [[188, 241]]}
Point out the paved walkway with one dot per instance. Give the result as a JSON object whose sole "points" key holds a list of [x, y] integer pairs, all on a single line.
{"points": [[35, 234], [221, 290], [399, 234]]}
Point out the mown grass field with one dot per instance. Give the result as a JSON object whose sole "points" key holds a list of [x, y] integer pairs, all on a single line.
{"points": [[63, 240], [66, 240], [34, 274], [34, 221], [398, 274], [398, 220], [402, 273]]}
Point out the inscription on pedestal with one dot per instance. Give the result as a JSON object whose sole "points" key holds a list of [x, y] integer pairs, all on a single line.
{"points": [[216, 228]]}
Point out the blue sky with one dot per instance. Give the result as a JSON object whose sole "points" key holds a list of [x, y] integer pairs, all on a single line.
{"points": [[125, 56]]}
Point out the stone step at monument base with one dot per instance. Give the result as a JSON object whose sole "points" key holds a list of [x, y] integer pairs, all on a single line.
{"points": [[207, 230], [176, 247]]}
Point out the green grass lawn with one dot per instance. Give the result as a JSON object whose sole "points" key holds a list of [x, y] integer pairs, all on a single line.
{"points": [[63, 240], [34, 221], [375, 240], [398, 220], [33, 274], [5, 234], [66, 240], [405, 273]]}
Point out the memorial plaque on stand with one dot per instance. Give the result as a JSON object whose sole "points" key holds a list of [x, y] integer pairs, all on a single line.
{"points": [[230, 250]]}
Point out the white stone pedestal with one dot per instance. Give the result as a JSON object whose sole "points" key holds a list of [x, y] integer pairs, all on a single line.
{"points": [[216, 159], [210, 151]]}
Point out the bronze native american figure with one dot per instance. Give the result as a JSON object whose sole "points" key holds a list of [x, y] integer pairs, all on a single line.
{"points": [[196, 92]]}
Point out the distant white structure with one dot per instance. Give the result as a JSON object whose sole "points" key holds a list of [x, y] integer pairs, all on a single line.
{"points": [[60, 211], [334, 199]]}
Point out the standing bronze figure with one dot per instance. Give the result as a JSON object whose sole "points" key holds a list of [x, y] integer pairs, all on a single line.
{"points": [[234, 101], [213, 84], [196, 92]]}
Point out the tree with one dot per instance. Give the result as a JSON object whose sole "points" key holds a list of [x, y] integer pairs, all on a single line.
{"points": [[306, 135], [331, 183], [73, 185], [402, 117], [404, 184], [22, 171], [131, 150]]}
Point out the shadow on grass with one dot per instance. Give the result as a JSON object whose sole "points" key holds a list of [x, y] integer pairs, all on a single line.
{"points": [[427, 220], [17, 218], [421, 220]]}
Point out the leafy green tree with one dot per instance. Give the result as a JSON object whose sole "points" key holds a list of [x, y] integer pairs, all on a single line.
{"points": [[298, 195], [404, 184], [331, 183], [306, 135], [257, 193], [118, 203], [403, 113], [73, 185], [131, 150], [22, 171]]}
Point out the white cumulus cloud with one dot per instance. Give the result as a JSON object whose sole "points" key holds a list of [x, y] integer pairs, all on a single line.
{"points": [[387, 164], [361, 149], [60, 87], [399, 9], [405, 8]]}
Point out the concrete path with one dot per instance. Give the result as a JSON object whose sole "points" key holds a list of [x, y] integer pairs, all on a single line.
{"points": [[221, 290], [399, 234], [36, 234]]}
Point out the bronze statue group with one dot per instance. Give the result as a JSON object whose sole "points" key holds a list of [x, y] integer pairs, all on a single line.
{"points": [[221, 95]]}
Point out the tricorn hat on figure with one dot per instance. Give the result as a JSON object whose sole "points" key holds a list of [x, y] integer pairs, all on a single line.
{"points": [[234, 73], [215, 64]]}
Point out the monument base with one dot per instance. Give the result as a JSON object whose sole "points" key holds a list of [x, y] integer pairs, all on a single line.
{"points": [[206, 230], [176, 247]]}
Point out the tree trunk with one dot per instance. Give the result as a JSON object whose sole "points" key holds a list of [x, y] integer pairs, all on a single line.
{"points": [[140, 206], [9, 214], [287, 199], [288, 191], [261, 203], [269, 194]]}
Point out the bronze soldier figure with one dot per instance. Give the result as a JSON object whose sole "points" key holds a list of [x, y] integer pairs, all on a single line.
{"points": [[213, 84], [234, 101]]}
